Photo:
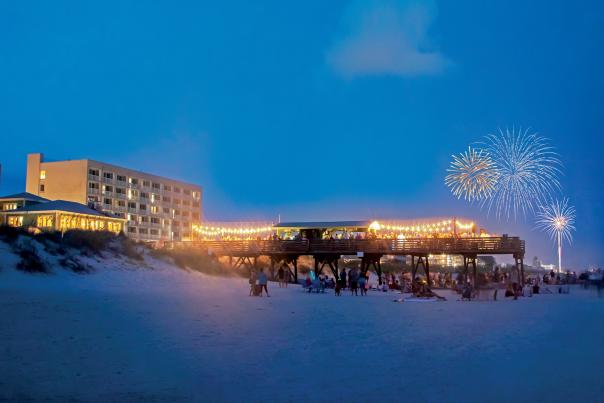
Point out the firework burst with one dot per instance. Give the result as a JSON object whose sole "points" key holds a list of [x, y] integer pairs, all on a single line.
{"points": [[472, 175], [527, 172], [558, 220]]}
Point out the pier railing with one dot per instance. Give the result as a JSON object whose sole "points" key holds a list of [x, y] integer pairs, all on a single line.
{"points": [[487, 245]]}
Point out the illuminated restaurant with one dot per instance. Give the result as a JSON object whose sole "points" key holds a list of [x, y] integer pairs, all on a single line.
{"points": [[60, 215]]}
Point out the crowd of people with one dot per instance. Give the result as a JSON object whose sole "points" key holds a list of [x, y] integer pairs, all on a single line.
{"points": [[357, 282]]}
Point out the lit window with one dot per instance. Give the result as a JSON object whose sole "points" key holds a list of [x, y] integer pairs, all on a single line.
{"points": [[45, 221], [15, 221], [42, 174], [9, 206]]}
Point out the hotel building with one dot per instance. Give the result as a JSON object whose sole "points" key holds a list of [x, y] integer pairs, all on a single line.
{"points": [[156, 208]]}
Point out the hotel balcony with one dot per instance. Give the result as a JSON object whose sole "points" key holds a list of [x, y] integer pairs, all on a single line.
{"points": [[120, 196], [94, 178], [92, 191], [107, 180]]}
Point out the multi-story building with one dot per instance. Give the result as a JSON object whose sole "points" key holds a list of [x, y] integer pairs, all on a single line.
{"points": [[156, 208]]}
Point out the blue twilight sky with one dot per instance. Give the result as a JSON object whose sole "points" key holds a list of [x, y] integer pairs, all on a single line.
{"points": [[316, 110]]}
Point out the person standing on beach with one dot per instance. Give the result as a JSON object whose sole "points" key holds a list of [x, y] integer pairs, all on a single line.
{"points": [[280, 276], [262, 282], [352, 279], [343, 278], [363, 283], [286, 277], [252, 282]]}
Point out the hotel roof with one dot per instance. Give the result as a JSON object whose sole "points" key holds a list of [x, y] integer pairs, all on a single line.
{"points": [[25, 196], [60, 205]]}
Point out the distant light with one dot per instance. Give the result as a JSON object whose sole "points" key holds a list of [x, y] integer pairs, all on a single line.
{"points": [[375, 226]]}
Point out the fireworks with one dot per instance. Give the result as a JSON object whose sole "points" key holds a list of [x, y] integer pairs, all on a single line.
{"points": [[558, 220], [472, 175], [527, 172]]}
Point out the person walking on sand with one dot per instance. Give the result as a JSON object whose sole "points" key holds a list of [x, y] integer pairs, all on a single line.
{"points": [[262, 282]]}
